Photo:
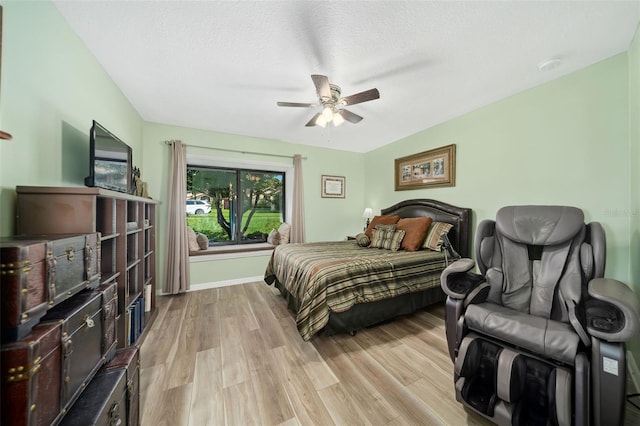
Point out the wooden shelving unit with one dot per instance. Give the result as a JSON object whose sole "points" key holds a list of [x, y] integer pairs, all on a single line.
{"points": [[127, 225]]}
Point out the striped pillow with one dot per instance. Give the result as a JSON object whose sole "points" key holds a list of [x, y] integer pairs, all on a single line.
{"points": [[363, 240], [380, 220], [388, 239], [433, 240]]}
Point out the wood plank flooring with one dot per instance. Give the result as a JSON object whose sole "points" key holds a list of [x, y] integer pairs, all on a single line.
{"points": [[233, 356]]}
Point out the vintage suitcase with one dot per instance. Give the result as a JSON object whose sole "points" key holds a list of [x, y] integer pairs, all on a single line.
{"points": [[102, 403], [88, 337], [31, 377], [38, 272], [43, 373], [129, 360]]}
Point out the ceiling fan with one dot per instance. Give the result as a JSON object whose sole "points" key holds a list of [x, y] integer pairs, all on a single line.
{"points": [[332, 104]]}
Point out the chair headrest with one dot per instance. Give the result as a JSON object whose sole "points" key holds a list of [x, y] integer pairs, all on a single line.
{"points": [[539, 225]]}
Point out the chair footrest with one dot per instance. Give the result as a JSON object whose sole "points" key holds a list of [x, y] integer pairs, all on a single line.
{"points": [[530, 391]]}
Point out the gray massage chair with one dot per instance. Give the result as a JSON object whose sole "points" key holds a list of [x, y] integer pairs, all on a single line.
{"points": [[538, 336]]}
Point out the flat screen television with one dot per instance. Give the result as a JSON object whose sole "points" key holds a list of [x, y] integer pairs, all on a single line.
{"points": [[110, 161]]}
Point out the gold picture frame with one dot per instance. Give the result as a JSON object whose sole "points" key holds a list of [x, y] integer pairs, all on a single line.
{"points": [[427, 169], [333, 186]]}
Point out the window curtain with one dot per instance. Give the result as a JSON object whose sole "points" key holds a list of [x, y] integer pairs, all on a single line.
{"points": [[176, 272], [297, 219]]}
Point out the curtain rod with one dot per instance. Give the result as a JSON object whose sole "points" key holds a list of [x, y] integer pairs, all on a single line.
{"points": [[238, 151]]}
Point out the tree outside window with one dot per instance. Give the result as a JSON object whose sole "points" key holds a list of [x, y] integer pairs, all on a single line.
{"points": [[245, 204]]}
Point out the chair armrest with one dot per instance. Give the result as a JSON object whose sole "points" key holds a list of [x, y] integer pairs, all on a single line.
{"points": [[613, 313], [458, 282]]}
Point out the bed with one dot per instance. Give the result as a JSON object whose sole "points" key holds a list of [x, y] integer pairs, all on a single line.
{"points": [[341, 287]]}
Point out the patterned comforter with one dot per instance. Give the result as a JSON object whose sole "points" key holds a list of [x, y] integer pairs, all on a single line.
{"points": [[333, 276]]}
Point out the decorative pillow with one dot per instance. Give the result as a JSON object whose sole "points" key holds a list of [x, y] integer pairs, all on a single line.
{"points": [[433, 240], [386, 227], [380, 220], [363, 240], [285, 231], [203, 241], [388, 239], [415, 229], [274, 237], [192, 239]]}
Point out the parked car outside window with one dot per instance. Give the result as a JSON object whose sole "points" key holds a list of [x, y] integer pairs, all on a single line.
{"points": [[198, 207]]}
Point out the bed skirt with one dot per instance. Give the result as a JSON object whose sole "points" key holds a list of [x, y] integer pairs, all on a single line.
{"points": [[362, 315]]}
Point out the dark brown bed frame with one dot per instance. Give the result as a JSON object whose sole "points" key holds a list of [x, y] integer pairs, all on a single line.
{"points": [[363, 315], [460, 218]]}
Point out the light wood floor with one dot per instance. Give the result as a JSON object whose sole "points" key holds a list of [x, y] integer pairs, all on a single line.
{"points": [[233, 356]]}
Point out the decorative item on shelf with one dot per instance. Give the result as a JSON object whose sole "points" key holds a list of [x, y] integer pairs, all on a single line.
{"points": [[138, 187], [135, 178], [368, 214]]}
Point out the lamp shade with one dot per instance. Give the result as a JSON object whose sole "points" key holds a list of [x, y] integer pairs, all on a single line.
{"points": [[321, 121], [327, 112], [368, 213], [337, 119]]}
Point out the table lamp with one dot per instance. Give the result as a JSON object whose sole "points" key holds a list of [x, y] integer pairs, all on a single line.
{"points": [[368, 213]]}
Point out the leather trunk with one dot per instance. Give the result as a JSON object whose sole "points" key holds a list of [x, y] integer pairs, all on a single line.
{"points": [[102, 403], [39, 272], [129, 360], [88, 337], [31, 377]]}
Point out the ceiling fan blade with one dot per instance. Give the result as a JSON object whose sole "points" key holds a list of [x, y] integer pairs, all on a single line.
{"points": [[367, 95], [322, 86], [312, 122], [295, 104], [349, 116]]}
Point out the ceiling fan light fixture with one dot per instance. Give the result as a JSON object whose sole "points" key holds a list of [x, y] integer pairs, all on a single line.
{"points": [[327, 113], [329, 97], [321, 121], [337, 119]]}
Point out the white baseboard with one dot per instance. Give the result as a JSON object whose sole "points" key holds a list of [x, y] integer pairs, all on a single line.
{"points": [[217, 284], [632, 368]]}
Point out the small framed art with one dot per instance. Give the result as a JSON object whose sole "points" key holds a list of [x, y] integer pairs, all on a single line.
{"points": [[333, 186]]}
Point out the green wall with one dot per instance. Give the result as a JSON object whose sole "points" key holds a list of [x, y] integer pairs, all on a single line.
{"points": [[564, 142], [325, 218], [575, 140], [51, 90], [634, 160]]}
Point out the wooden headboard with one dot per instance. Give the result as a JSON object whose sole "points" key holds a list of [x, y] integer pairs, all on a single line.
{"points": [[459, 217]]}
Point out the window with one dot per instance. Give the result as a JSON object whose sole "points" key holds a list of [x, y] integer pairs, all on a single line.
{"points": [[235, 205]]}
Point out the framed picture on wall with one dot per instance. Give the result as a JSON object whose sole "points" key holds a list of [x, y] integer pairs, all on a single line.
{"points": [[333, 186], [428, 169]]}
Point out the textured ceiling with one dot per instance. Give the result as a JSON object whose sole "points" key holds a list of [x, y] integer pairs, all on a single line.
{"points": [[223, 65]]}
